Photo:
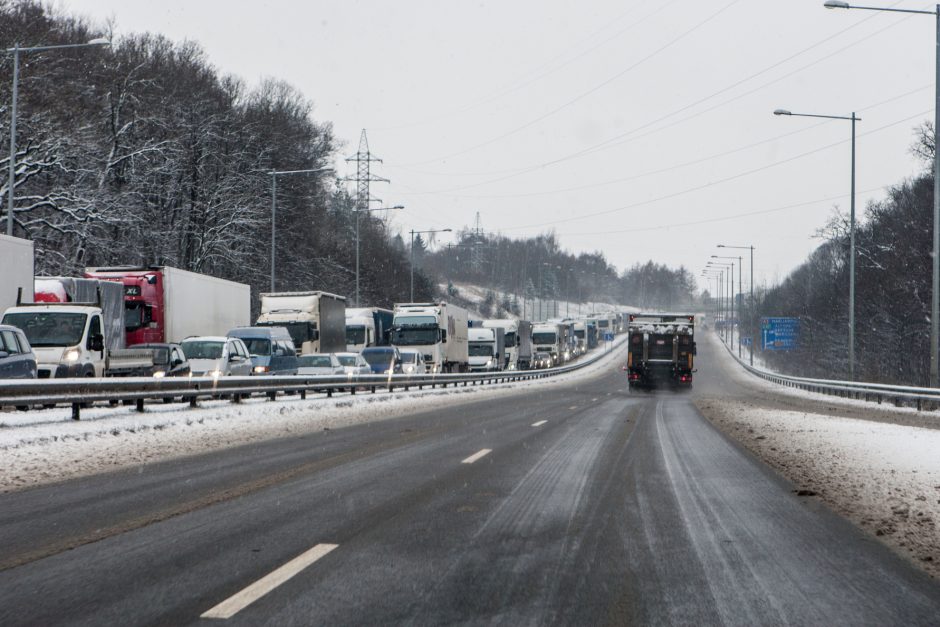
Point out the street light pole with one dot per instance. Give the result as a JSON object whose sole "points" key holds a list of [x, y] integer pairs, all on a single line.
{"points": [[412, 262], [752, 308], [16, 50], [935, 280]]}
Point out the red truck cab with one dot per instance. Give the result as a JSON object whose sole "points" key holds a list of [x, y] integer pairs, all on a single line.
{"points": [[144, 310]]}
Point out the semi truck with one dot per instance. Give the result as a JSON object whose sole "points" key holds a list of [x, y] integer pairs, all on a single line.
{"points": [[661, 350], [16, 260], [549, 337], [76, 329], [518, 340], [486, 348], [316, 321], [437, 330], [165, 304], [367, 326]]}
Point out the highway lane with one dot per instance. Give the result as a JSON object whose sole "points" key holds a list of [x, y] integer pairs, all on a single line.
{"points": [[619, 508]]}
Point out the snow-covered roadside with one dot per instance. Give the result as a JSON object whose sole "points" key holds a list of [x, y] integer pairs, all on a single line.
{"points": [[43, 447], [883, 477], [877, 465]]}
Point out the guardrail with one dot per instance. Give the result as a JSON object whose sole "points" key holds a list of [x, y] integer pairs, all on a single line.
{"points": [[919, 397], [81, 393]]}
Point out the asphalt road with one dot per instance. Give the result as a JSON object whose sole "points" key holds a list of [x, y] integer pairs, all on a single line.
{"points": [[583, 504]]}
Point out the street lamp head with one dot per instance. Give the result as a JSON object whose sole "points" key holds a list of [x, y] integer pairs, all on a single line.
{"points": [[782, 112], [444, 230], [100, 41], [836, 4], [721, 246]]}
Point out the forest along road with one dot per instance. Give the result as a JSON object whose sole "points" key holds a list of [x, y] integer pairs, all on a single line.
{"points": [[581, 503]]}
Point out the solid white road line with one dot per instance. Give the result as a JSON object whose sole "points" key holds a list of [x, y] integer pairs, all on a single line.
{"points": [[477, 456], [241, 600], [539, 423]]}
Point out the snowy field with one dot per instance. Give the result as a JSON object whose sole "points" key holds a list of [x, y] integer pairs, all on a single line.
{"points": [[882, 475], [39, 447]]}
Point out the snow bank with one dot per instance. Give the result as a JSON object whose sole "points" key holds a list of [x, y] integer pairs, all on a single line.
{"points": [[40, 447], [883, 477]]}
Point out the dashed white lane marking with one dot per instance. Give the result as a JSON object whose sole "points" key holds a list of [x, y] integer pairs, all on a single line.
{"points": [[236, 603], [572, 407], [594, 400], [477, 455], [539, 423]]}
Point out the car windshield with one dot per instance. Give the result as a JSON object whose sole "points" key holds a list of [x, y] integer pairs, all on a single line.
{"points": [[347, 360], [405, 336], [543, 338], [377, 358], [54, 328], [202, 349], [300, 332], [257, 347], [314, 361]]}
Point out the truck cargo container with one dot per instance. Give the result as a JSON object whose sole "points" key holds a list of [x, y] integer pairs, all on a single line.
{"points": [[16, 260], [437, 330], [315, 320], [165, 304]]}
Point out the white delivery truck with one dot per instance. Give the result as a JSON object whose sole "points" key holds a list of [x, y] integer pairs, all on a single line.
{"points": [[518, 340], [316, 321], [16, 261], [165, 304], [437, 330], [487, 348], [76, 329], [367, 326], [547, 337]]}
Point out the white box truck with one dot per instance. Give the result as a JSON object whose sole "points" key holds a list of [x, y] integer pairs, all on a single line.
{"points": [[548, 337], [487, 348], [437, 330], [518, 340], [165, 304], [16, 261], [315, 320], [367, 326]]}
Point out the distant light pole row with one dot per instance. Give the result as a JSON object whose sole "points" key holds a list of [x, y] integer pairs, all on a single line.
{"points": [[730, 265], [413, 233], [16, 50], [935, 282], [753, 306], [740, 288]]}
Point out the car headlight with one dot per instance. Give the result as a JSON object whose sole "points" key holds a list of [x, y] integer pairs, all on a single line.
{"points": [[261, 369], [215, 374], [72, 355], [489, 362], [159, 374]]}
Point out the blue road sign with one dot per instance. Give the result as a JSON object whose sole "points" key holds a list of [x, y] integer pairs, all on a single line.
{"points": [[608, 337], [779, 334], [746, 340]]}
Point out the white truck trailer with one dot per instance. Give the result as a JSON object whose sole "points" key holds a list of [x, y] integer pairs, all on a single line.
{"points": [[518, 340], [76, 329], [367, 326], [487, 348], [316, 321], [437, 330], [16, 260], [549, 337]]}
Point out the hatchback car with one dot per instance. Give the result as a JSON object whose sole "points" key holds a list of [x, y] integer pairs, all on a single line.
{"points": [[271, 349], [353, 363], [168, 359], [17, 360], [383, 359], [542, 360], [217, 356], [412, 362], [319, 364]]}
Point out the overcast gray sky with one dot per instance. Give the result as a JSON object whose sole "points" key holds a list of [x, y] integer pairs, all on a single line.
{"points": [[641, 128]]}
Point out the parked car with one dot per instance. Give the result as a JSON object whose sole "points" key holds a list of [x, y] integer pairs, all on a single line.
{"points": [[319, 363], [383, 359], [353, 363], [542, 360], [168, 359], [217, 356], [271, 349], [17, 360], [412, 362]]}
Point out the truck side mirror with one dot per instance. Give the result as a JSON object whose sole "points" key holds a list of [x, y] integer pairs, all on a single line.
{"points": [[96, 342], [694, 349], [443, 336]]}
